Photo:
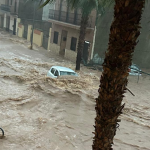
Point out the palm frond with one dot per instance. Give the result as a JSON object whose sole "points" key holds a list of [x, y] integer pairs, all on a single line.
{"points": [[86, 6], [46, 2]]}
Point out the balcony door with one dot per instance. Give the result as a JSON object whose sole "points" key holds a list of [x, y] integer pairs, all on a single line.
{"points": [[86, 51]]}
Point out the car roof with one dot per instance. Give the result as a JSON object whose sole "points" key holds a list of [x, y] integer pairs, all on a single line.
{"points": [[62, 68]]}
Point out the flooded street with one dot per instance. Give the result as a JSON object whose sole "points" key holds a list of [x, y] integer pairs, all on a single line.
{"points": [[37, 112]]}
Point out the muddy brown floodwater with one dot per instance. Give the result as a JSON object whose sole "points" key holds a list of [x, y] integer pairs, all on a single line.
{"points": [[40, 113]]}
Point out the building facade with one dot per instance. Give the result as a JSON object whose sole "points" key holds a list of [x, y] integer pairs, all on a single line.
{"points": [[55, 27], [65, 29], [9, 14]]}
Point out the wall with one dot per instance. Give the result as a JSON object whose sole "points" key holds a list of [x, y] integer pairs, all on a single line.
{"points": [[71, 55], [29, 33], [141, 55], [5, 20], [45, 15], [1, 21], [20, 30], [17, 23], [72, 32], [49, 39], [11, 23], [102, 33], [54, 48], [12, 7], [26, 10], [142, 51], [2, 2], [37, 37]]}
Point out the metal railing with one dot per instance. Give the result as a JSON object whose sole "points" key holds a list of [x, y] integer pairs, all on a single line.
{"points": [[5, 7], [11, 9], [67, 17]]}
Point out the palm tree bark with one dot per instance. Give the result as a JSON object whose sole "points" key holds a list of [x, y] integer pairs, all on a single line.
{"points": [[84, 23], [124, 32]]}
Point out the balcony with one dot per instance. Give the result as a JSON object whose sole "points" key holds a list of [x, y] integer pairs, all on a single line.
{"points": [[67, 17], [5, 7], [11, 9]]}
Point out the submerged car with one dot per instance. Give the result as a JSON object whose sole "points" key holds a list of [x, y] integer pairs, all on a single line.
{"points": [[134, 70], [57, 71]]}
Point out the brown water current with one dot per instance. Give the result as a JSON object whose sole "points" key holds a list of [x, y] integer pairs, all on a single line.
{"points": [[40, 113]]}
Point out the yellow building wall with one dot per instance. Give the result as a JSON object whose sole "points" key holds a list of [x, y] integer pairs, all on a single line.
{"points": [[29, 32], [38, 38], [20, 30], [18, 21], [49, 40]]}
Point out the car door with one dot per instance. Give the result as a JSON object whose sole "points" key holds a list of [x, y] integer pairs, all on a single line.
{"points": [[51, 72], [56, 74]]}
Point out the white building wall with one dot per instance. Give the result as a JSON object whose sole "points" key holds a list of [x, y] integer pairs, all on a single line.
{"points": [[45, 15], [5, 20], [11, 23]]}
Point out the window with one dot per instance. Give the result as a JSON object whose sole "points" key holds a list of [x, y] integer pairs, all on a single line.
{"points": [[63, 73], [56, 73], [73, 43], [52, 70], [55, 39]]}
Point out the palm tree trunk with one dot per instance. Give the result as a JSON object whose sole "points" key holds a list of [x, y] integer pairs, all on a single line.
{"points": [[84, 23], [124, 32]]}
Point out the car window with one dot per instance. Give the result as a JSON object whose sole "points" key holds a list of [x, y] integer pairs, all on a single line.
{"points": [[67, 73], [53, 71], [56, 73]]}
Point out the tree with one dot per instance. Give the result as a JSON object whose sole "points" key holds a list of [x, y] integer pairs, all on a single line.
{"points": [[124, 32]]}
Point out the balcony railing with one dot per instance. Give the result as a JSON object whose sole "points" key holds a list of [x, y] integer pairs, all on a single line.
{"points": [[67, 17], [5, 7]]}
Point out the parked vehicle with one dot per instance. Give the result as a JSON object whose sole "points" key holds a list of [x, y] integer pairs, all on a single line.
{"points": [[134, 70], [57, 71]]}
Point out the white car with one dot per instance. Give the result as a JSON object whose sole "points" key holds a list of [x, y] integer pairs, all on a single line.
{"points": [[57, 71], [135, 70]]}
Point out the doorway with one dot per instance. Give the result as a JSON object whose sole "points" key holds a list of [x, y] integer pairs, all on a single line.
{"points": [[7, 23], [85, 52], [14, 27], [2, 22], [63, 42]]}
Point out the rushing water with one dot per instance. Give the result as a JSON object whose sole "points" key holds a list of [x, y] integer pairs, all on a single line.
{"points": [[38, 112]]}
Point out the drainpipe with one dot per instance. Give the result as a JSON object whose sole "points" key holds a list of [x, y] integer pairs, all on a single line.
{"points": [[93, 46]]}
